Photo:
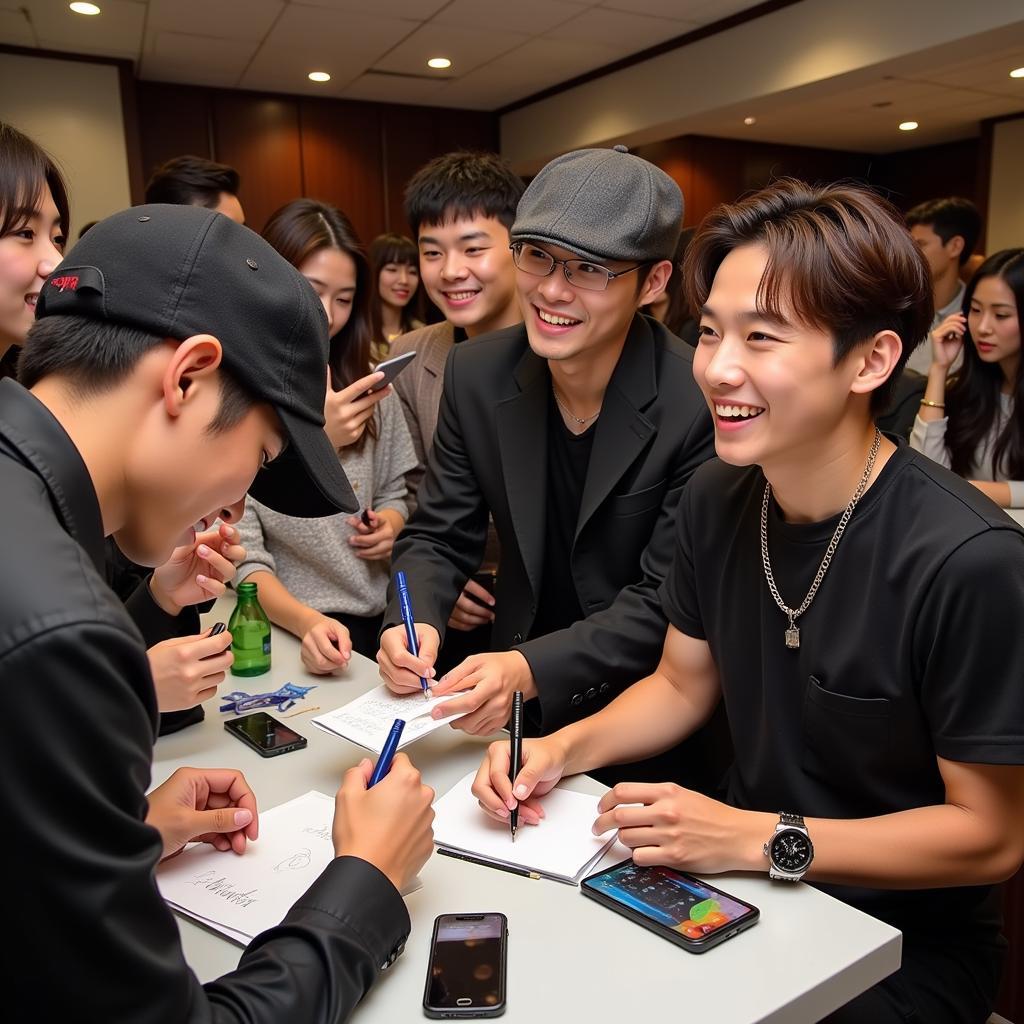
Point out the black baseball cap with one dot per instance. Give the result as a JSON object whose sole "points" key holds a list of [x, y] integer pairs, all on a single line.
{"points": [[178, 271]]}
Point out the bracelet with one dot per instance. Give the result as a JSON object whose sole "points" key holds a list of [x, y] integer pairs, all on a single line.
{"points": [[932, 405]]}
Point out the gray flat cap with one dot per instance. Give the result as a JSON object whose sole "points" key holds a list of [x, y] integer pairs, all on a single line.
{"points": [[602, 204]]}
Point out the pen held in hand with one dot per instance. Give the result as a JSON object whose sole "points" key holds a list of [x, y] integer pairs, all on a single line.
{"points": [[516, 742], [405, 607], [387, 755]]}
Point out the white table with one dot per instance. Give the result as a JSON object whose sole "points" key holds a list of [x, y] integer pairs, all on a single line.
{"points": [[568, 957]]}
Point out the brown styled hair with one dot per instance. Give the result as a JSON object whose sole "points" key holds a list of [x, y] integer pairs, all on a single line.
{"points": [[25, 170], [838, 255], [305, 226]]}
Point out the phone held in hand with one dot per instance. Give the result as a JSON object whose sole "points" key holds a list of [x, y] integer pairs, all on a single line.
{"points": [[672, 904], [391, 368], [466, 974], [266, 735]]}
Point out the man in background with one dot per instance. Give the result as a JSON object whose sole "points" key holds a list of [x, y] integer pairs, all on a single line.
{"points": [[196, 181]]}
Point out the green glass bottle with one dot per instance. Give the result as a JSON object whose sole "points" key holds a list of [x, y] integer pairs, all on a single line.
{"points": [[250, 634]]}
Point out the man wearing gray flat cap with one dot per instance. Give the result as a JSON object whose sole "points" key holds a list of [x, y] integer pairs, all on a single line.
{"points": [[577, 431]]}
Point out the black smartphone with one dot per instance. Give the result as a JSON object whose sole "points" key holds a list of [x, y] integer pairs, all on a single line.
{"points": [[466, 976], [266, 735], [392, 368], [671, 903], [487, 580]]}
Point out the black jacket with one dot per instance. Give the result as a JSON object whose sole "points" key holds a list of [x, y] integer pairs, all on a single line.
{"points": [[490, 455], [92, 938]]}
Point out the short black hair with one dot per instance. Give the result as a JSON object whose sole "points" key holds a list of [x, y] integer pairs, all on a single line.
{"points": [[191, 181], [948, 218], [96, 355], [463, 185]]}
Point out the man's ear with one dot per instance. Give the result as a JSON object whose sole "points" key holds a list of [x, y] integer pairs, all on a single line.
{"points": [[955, 246], [195, 359], [877, 362], [657, 280]]}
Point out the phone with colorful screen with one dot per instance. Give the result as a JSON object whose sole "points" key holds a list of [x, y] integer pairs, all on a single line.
{"points": [[675, 905]]}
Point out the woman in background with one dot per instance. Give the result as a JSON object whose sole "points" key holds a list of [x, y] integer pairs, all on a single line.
{"points": [[974, 422], [34, 222], [395, 278], [325, 580]]}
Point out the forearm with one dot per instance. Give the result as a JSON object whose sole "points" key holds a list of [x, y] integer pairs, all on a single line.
{"points": [[284, 609], [922, 848], [651, 716], [997, 490], [935, 392]]}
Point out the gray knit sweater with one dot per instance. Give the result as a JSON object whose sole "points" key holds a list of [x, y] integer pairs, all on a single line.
{"points": [[312, 557]]}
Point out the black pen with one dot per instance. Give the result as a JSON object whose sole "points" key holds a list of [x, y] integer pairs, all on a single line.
{"points": [[488, 863], [515, 739]]}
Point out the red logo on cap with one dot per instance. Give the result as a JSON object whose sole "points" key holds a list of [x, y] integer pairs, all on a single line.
{"points": [[63, 283]]}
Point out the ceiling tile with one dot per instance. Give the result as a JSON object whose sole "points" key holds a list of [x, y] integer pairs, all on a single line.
{"points": [[394, 89], [413, 10], [466, 48], [532, 17], [117, 32], [704, 11], [227, 19], [15, 29], [620, 30], [202, 60]]}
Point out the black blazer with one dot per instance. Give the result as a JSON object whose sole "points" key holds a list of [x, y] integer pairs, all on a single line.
{"points": [[490, 456]]}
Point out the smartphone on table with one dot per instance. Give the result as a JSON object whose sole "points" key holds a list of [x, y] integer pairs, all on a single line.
{"points": [[265, 734], [466, 974], [672, 904], [391, 368]]}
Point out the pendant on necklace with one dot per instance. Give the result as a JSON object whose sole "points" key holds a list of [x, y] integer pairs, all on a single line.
{"points": [[793, 637]]}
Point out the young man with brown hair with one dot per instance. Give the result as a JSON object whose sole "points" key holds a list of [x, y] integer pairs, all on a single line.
{"points": [[856, 606]]}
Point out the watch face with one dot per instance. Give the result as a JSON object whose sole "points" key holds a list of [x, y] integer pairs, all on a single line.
{"points": [[791, 850]]}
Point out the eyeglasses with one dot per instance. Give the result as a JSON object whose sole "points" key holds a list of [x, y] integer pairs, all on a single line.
{"points": [[579, 273]]}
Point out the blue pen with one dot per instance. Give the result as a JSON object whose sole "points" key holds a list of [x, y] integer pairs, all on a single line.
{"points": [[405, 606], [387, 755]]}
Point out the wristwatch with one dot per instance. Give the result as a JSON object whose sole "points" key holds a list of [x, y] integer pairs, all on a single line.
{"points": [[790, 850]]}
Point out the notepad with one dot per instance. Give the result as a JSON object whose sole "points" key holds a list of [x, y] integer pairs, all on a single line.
{"points": [[561, 847], [367, 720], [242, 896]]}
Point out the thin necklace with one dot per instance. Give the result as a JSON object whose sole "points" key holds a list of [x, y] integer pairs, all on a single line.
{"points": [[793, 631], [582, 422]]}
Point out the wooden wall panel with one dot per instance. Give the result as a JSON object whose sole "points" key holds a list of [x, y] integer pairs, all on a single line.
{"points": [[174, 120], [259, 136], [414, 135], [343, 162]]}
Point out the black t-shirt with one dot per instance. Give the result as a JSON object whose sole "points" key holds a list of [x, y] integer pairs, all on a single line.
{"points": [[568, 459], [913, 648]]}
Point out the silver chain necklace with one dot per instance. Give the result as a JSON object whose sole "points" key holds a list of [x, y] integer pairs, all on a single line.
{"points": [[793, 630], [582, 422]]}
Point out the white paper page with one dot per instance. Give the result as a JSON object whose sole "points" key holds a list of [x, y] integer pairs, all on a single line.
{"points": [[561, 846], [367, 720], [243, 896]]}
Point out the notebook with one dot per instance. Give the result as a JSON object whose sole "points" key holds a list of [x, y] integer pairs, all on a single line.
{"points": [[241, 896], [561, 847], [367, 720]]}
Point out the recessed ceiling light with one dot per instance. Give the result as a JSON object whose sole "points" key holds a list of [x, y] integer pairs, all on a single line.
{"points": [[750, 120], [1017, 73], [84, 8], [907, 126], [440, 63], [319, 76]]}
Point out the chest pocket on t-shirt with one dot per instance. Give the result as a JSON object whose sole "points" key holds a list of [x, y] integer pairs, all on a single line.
{"points": [[844, 737]]}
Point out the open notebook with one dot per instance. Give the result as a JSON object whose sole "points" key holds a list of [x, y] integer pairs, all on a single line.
{"points": [[367, 720], [561, 847], [243, 896]]}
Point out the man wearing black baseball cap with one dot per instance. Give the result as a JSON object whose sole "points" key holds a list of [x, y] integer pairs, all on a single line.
{"points": [[577, 430], [174, 353]]}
